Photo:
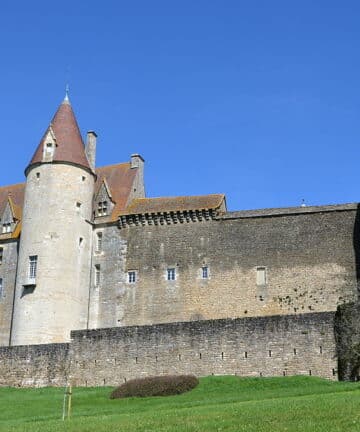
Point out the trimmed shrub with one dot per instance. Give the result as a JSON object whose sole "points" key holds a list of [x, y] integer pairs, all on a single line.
{"points": [[156, 386]]}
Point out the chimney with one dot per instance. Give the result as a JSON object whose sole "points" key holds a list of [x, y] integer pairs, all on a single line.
{"points": [[136, 161], [90, 148]]}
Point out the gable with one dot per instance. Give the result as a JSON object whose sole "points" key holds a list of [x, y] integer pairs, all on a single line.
{"points": [[116, 183], [11, 202], [103, 203]]}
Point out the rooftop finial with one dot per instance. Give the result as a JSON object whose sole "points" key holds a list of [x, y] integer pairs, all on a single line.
{"points": [[66, 99]]}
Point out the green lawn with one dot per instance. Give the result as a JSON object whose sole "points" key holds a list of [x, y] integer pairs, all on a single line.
{"points": [[217, 404]]}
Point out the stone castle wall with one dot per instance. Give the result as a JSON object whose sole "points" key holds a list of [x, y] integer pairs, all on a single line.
{"points": [[8, 275], [309, 254], [34, 365], [267, 346]]}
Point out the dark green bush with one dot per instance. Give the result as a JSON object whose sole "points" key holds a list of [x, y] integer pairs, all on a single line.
{"points": [[156, 386]]}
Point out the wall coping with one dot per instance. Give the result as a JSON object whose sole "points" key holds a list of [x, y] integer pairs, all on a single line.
{"points": [[270, 319], [270, 212]]}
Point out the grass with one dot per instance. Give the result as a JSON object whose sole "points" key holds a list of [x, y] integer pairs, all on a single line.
{"points": [[217, 404]]}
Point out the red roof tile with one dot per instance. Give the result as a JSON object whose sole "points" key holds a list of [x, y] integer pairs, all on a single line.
{"points": [[16, 195], [69, 144], [173, 204], [119, 179]]}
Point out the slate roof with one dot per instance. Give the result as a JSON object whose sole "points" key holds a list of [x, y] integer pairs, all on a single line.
{"points": [[174, 204], [69, 144]]}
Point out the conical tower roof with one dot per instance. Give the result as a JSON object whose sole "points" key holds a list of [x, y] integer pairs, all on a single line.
{"points": [[66, 134]]}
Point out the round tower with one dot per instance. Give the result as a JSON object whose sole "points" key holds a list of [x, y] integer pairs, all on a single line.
{"points": [[53, 278]]}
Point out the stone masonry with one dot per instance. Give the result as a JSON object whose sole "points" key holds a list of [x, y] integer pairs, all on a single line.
{"points": [[100, 284], [267, 346]]}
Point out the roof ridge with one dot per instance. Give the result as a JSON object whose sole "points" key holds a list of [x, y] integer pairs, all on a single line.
{"points": [[181, 196], [13, 185], [112, 165]]}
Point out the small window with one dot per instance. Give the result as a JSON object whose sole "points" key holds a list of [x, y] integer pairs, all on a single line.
{"points": [[99, 239], [261, 276], [132, 276], [205, 272], [6, 228], [38, 175], [102, 208], [97, 275], [78, 205], [33, 266], [171, 274], [83, 178], [1, 288], [49, 147], [1, 254]]}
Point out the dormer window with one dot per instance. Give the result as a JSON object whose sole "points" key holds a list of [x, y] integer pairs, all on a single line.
{"points": [[102, 208], [49, 148], [6, 228]]}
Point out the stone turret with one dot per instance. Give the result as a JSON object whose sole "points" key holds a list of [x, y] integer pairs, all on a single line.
{"points": [[52, 287]]}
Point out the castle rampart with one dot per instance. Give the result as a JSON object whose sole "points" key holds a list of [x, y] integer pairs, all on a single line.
{"points": [[309, 256], [267, 346]]}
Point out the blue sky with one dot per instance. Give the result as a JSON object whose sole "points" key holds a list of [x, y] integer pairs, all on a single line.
{"points": [[255, 99]]}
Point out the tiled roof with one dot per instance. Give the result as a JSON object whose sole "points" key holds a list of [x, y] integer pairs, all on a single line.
{"points": [[119, 179], [69, 144], [174, 204], [15, 194]]}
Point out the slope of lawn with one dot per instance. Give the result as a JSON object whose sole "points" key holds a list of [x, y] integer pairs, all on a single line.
{"points": [[217, 404]]}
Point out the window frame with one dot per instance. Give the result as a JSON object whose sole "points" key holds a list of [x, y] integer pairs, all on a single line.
{"points": [[132, 276], [205, 272], [102, 208], [171, 274], [97, 275], [261, 281], [6, 228], [99, 242], [33, 264]]}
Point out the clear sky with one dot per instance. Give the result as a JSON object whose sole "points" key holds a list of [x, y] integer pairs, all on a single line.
{"points": [[259, 100]]}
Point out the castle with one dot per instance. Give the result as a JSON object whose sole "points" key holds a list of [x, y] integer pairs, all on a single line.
{"points": [[97, 281]]}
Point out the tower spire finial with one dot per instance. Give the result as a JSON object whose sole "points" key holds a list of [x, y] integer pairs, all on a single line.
{"points": [[66, 98]]}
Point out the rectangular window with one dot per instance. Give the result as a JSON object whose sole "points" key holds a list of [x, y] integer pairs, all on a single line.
{"points": [[6, 228], [1, 254], [97, 275], [32, 266], [1, 288], [170, 274], [205, 272], [131, 276], [102, 208], [261, 276], [99, 242]]}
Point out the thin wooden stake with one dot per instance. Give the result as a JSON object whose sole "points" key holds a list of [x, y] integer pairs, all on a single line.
{"points": [[69, 402], [64, 403]]}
